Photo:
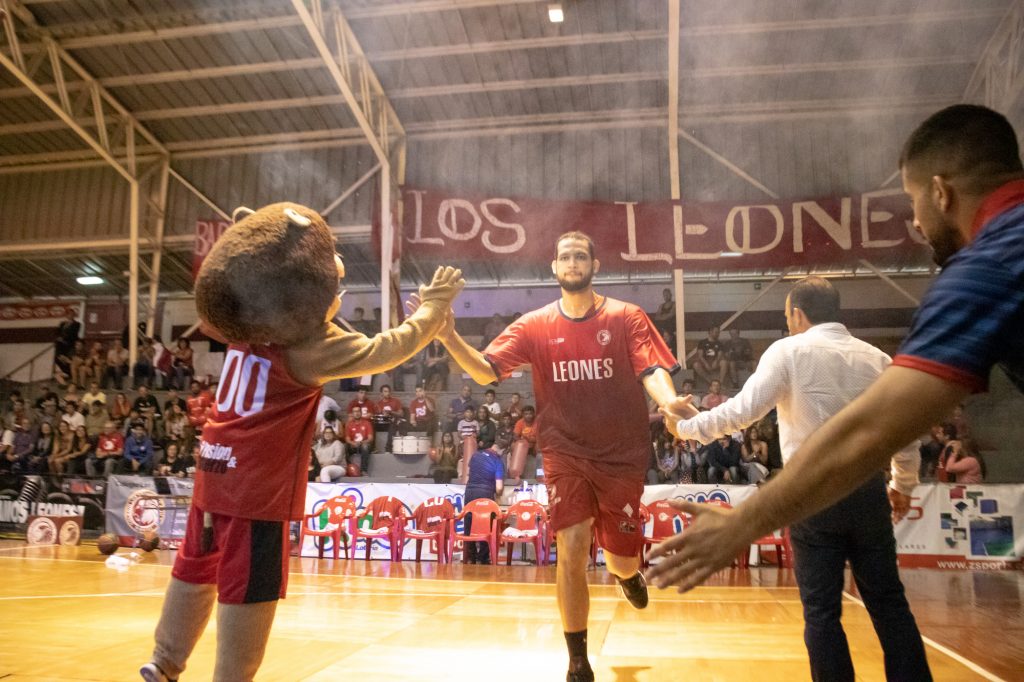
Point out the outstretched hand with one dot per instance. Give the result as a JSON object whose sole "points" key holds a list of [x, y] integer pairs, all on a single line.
{"points": [[445, 285], [710, 543], [446, 330], [899, 502]]}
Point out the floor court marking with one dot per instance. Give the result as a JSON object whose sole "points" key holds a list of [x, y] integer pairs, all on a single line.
{"points": [[966, 662]]}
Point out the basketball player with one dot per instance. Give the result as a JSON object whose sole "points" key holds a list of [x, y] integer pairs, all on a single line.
{"points": [[962, 171], [590, 354]]}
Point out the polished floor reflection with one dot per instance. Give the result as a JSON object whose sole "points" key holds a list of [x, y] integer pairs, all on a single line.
{"points": [[66, 616]]}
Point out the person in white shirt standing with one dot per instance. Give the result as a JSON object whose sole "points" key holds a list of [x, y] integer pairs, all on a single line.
{"points": [[811, 375]]}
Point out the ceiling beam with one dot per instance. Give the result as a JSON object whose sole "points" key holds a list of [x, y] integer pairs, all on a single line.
{"points": [[998, 78]]}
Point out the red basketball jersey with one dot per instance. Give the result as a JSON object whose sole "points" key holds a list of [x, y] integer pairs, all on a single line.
{"points": [[586, 376], [255, 447]]}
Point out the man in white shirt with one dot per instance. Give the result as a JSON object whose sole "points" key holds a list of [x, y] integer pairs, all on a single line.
{"points": [[811, 375], [72, 416]]}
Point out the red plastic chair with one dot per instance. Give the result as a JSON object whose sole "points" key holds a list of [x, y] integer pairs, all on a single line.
{"points": [[663, 517], [783, 549], [339, 512], [386, 514], [486, 519], [431, 521], [530, 517]]}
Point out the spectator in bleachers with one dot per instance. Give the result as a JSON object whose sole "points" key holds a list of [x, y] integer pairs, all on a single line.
{"points": [[692, 461], [6, 448], [133, 416], [163, 364], [468, 425], [176, 428], [71, 393], [423, 412], [67, 333], [494, 326], [330, 454], [459, 405], [46, 442], [714, 397], [491, 403], [94, 394], [144, 370], [119, 409], [447, 459], [951, 446], [515, 407], [173, 462], [488, 429], [138, 451], [62, 448], [72, 416], [388, 405], [358, 439], [360, 402], [95, 419], [769, 430], [435, 368], [81, 447], [666, 460], [526, 429], [8, 407], [709, 363], [930, 452], [79, 357], [330, 421], [754, 456], [109, 450], [116, 365], [723, 460], [182, 364], [174, 399], [199, 404], [665, 317], [965, 464], [739, 356], [95, 367], [486, 480], [505, 434], [959, 420], [22, 446], [327, 403], [148, 406]]}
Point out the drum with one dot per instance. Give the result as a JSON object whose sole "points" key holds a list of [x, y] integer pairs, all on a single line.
{"points": [[422, 445], [399, 445], [517, 459], [468, 449]]}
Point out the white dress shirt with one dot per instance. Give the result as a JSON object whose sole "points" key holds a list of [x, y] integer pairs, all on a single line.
{"points": [[809, 377]]}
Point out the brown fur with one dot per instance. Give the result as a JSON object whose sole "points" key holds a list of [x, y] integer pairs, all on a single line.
{"points": [[268, 280]]}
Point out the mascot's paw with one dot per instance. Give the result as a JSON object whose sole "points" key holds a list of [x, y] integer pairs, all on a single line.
{"points": [[445, 286]]}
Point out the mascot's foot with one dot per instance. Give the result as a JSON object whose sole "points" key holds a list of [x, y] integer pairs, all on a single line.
{"points": [[151, 672]]}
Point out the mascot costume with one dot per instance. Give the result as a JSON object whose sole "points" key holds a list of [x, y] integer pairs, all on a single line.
{"points": [[269, 288]]}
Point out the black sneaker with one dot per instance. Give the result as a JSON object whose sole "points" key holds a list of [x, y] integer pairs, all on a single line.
{"points": [[634, 590]]}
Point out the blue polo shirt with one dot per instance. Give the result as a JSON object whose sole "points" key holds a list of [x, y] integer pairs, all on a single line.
{"points": [[485, 470], [972, 317]]}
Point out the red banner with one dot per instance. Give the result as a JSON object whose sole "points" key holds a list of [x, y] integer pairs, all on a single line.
{"points": [[44, 312], [207, 233], [875, 226]]}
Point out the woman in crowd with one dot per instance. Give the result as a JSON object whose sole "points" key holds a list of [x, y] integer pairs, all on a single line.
{"points": [[447, 459], [95, 364], [666, 460], [330, 454], [754, 456], [81, 448], [435, 364], [173, 464], [182, 364], [62, 447], [120, 409], [965, 464], [952, 447], [176, 427], [79, 363], [488, 429], [46, 441]]}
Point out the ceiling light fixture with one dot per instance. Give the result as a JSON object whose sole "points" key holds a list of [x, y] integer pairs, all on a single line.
{"points": [[555, 13], [89, 280]]}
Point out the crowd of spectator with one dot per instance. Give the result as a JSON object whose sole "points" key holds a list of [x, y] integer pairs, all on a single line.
{"points": [[92, 434]]}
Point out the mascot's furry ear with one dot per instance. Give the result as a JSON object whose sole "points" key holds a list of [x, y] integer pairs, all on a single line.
{"points": [[271, 278], [243, 211]]}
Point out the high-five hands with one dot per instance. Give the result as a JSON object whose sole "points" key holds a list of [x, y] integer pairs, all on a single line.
{"points": [[445, 286], [680, 408]]}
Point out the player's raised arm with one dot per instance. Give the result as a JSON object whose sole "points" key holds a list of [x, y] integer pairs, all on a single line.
{"points": [[469, 359]]}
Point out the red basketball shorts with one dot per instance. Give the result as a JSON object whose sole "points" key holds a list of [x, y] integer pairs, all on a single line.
{"points": [[248, 561], [581, 489]]}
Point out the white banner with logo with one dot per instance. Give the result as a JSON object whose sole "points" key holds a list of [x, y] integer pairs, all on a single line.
{"points": [[963, 527], [139, 504]]}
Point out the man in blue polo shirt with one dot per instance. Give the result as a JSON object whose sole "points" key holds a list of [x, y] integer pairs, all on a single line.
{"points": [[962, 171], [486, 480]]}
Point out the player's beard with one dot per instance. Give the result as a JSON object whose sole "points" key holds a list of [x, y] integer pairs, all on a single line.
{"points": [[945, 240], [572, 286]]}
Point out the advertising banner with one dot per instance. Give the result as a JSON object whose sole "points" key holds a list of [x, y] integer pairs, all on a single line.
{"points": [[139, 504]]}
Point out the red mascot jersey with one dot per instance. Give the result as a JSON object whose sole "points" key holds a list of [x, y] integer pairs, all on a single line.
{"points": [[255, 447]]}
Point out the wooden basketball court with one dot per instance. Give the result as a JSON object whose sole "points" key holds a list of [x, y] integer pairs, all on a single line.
{"points": [[66, 616]]}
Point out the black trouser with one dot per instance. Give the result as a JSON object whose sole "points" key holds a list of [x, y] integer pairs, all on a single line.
{"points": [[363, 450], [476, 552], [858, 529]]}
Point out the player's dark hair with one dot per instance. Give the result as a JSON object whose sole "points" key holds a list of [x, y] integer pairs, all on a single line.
{"points": [[964, 139], [530, 408], [576, 234], [949, 430], [817, 298]]}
